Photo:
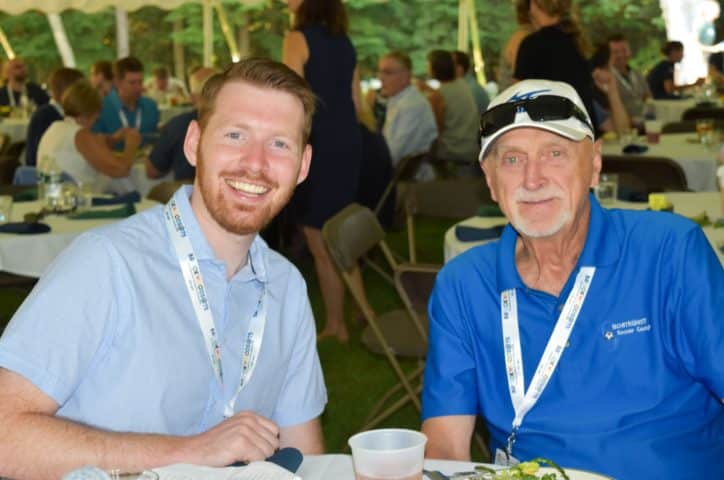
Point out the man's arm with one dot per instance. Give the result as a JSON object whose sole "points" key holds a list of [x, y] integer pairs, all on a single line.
{"points": [[307, 437], [36, 444], [449, 437]]}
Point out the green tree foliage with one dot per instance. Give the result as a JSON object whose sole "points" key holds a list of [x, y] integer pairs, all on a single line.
{"points": [[376, 26]]}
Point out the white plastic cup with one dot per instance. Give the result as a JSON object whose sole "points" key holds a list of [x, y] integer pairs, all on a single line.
{"points": [[653, 131], [386, 454]]}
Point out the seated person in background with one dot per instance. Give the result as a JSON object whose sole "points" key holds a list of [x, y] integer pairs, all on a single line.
{"points": [[165, 89], [632, 85], [105, 364], [462, 70], [17, 86], [45, 115], [124, 106], [85, 156], [611, 114], [101, 77], [455, 112], [168, 151], [621, 312], [409, 124], [661, 77]]}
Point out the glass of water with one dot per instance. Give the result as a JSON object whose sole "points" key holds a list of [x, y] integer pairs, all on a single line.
{"points": [[6, 208], [607, 189]]}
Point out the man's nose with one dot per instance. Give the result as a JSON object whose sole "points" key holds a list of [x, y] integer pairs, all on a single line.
{"points": [[533, 174]]}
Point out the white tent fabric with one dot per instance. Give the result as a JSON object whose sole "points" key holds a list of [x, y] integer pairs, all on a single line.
{"points": [[15, 7]]}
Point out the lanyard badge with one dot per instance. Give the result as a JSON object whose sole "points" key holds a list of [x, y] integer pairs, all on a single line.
{"points": [[197, 293], [523, 401]]}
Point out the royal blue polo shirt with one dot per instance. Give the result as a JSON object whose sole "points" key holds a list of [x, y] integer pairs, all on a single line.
{"points": [[637, 393]]}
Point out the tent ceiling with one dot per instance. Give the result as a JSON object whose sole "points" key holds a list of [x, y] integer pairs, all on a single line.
{"points": [[15, 7]]}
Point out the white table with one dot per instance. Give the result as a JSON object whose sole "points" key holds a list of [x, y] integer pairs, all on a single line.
{"points": [[136, 180], [15, 128], [167, 112], [671, 110], [30, 255], [698, 161], [339, 467], [687, 204]]}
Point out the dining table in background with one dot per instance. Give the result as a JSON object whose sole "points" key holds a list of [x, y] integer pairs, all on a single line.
{"points": [[671, 110], [15, 128], [698, 161], [31, 254], [690, 204], [167, 112]]}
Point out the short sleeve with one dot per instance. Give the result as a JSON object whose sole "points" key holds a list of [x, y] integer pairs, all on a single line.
{"points": [[696, 307], [450, 385], [66, 325], [303, 395]]}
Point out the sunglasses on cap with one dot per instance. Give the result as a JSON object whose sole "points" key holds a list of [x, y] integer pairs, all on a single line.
{"points": [[543, 108]]}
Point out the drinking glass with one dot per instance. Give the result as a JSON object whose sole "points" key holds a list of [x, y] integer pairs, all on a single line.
{"points": [[705, 130], [653, 131], [386, 454], [607, 189]]}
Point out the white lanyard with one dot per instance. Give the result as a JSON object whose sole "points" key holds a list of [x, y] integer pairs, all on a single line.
{"points": [[11, 95], [524, 401], [625, 81], [124, 119], [197, 292]]}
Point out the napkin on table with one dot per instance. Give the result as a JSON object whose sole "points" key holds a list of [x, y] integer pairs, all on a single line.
{"points": [[121, 212], [130, 197], [26, 228], [466, 233]]}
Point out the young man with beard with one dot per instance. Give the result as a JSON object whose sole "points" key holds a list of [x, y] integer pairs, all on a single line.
{"points": [[588, 336], [177, 335]]}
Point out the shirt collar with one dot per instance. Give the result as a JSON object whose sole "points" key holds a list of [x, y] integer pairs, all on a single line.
{"points": [[255, 268], [399, 95], [602, 247]]}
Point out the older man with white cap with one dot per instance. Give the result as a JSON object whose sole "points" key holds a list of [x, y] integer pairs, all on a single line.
{"points": [[588, 336]]}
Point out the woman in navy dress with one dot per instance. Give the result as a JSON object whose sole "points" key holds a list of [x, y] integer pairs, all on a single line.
{"points": [[319, 49]]}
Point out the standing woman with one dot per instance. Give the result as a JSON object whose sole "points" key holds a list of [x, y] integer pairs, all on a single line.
{"points": [[557, 50], [319, 49]]}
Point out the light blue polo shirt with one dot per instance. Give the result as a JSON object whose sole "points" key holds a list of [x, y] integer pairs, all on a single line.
{"points": [[637, 391], [110, 333], [144, 118]]}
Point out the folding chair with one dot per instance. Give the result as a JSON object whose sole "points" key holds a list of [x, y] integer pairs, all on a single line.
{"points": [[404, 170], [696, 113], [453, 199], [349, 235], [644, 175]]}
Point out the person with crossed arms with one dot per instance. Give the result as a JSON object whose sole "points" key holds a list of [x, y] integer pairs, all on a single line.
{"points": [[589, 336], [177, 335]]}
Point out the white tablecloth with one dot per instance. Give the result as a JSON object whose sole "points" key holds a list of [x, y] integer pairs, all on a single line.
{"points": [[30, 255], [167, 112], [698, 161], [339, 467], [687, 204], [668, 111], [16, 128]]}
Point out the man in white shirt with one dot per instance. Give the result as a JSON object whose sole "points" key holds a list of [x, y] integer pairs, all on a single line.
{"points": [[409, 126], [166, 89]]}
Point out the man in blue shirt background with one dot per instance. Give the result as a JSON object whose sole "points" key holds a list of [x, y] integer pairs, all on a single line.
{"points": [[124, 106], [587, 336], [113, 360]]}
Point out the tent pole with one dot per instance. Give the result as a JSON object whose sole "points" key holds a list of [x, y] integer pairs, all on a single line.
{"points": [[61, 40], [179, 59], [122, 47], [463, 38], [478, 63], [208, 33], [227, 31], [6, 45]]}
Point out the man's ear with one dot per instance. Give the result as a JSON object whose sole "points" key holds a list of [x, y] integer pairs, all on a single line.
{"points": [[488, 171], [306, 162], [597, 162], [191, 142]]}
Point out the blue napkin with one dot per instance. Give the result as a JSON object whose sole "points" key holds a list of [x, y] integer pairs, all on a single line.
{"points": [[288, 458], [24, 228], [465, 233], [130, 197], [634, 148]]}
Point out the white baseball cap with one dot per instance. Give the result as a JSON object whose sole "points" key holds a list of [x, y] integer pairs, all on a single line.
{"points": [[565, 118]]}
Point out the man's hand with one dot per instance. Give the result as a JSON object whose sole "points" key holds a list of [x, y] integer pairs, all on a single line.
{"points": [[131, 138], [245, 437]]}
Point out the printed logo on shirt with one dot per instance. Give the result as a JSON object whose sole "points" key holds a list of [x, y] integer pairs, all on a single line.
{"points": [[628, 327]]}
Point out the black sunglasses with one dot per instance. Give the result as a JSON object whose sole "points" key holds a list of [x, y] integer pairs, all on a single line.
{"points": [[540, 109]]}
